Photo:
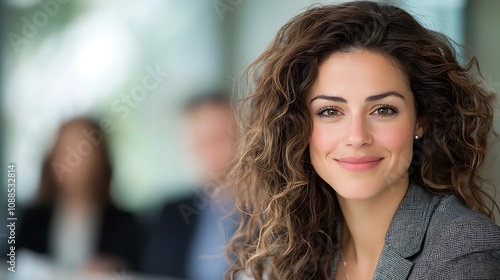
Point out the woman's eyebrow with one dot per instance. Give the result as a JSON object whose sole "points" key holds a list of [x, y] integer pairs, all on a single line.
{"points": [[369, 99], [330, 97], [383, 95]]}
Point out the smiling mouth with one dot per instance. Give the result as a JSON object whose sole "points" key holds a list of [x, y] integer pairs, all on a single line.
{"points": [[359, 163]]}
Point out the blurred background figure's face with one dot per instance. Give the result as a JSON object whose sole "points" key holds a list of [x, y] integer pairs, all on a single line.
{"points": [[77, 158], [211, 137]]}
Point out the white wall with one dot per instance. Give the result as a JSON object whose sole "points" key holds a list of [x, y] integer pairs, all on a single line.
{"points": [[483, 37]]}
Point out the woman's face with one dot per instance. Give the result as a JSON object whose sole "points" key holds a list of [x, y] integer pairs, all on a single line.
{"points": [[364, 124], [80, 160]]}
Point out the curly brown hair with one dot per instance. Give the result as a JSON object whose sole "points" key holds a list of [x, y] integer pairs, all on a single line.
{"points": [[289, 214]]}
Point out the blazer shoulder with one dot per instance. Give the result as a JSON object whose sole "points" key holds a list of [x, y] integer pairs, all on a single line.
{"points": [[462, 243], [459, 227]]}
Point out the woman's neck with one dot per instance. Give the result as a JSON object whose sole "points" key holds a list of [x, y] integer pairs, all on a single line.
{"points": [[77, 203], [365, 225]]}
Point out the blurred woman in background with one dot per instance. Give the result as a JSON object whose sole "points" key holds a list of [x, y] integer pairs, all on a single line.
{"points": [[73, 220]]}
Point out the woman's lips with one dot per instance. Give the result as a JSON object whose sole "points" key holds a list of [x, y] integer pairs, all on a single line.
{"points": [[359, 163]]}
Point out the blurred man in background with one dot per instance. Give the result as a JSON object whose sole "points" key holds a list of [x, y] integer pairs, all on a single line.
{"points": [[188, 239]]}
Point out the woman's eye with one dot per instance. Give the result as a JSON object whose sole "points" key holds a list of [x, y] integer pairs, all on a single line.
{"points": [[329, 113], [383, 111], [386, 111]]}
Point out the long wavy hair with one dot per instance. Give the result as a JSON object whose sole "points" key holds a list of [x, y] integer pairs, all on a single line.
{"points": [[289, 215]]}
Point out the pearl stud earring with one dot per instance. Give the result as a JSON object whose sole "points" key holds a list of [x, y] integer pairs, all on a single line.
{"points": [[416, 137]]}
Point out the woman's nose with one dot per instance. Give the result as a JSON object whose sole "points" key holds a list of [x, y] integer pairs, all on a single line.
{"points": [[358, 133]]}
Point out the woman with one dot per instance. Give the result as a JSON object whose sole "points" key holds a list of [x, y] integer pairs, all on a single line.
{"points": [[73, 221], [362, 148]]}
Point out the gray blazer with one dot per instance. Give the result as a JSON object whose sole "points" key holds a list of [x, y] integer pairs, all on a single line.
{"points": [[436, 237]]}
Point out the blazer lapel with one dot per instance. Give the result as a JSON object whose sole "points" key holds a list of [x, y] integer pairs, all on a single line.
{"points": [[406, 233], [392, 266]]}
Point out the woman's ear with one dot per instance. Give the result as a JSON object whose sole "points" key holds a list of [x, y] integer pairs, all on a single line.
{"points": [[420, 127]]}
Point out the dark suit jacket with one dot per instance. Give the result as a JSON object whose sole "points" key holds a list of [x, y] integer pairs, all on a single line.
{"points": [[169, 239], [119, 235], [436, 237]]}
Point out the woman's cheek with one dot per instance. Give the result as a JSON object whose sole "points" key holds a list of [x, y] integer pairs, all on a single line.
{"points": [[322, 140], [399, 141]]}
